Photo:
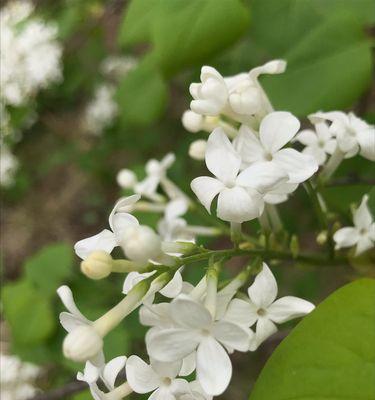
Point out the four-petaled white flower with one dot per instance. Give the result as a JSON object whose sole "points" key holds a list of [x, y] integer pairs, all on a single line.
{"points": [[240, 193], [353, 134], [157, 377], [318, 142], [362, 234], [196, 330], [107, 373], [263, 309]]}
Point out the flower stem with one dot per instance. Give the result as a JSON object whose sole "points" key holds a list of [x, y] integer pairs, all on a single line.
{"points": [[211, 294], [274, 218], [331, 166], [119, 393]]}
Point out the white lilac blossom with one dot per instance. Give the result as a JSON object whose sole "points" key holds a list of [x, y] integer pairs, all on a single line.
{"points": [[240, 97], [117, 67], [159, 378], [353, 134], [318, 143], [8, 166], [362, 234], [101, 110], [17, 378], [262, 308], [197, 149], [196, 330], [30, 53], [240, 194]]}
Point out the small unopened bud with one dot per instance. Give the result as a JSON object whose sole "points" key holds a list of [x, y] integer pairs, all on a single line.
{"points": [[197, 149], [294, 246], [82, 343], [322, 238], [246, 99], [126, 179], [192, 121], [141, 243], [184, 248], [98, 265]]}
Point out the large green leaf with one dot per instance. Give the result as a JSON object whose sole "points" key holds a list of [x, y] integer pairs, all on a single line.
{"points": [[328, 69], [29, 314], [48, 268], [330, 355], [142, 95], [189, 32]]}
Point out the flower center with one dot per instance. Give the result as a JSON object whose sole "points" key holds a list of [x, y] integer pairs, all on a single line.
{"points": [[205, 332], [321, 143], [363, 232], [268, 156], [261, 312], [167, 381]]}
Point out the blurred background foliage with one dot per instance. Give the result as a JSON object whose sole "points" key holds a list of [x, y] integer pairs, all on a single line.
{"points": [[65, 185]]}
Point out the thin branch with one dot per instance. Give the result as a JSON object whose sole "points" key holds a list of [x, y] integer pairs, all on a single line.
{"points": [[63, 392]]}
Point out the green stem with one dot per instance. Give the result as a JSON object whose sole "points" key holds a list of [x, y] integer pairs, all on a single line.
{"points": [[316, 204]]}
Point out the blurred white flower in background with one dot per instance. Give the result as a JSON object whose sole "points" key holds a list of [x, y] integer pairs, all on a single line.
{"points": [[17, 378], [8, 166]]}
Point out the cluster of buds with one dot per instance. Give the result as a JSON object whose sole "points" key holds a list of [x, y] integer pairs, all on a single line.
{"points": [[194, 329]]}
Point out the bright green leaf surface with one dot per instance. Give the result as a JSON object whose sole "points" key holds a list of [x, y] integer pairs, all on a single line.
{"points": [[28, 313], [142, 95], [330, 355], [50, 267]]}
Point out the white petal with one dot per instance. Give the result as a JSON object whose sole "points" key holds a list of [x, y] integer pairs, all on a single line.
{"points": [[221, 158], [346, 237], [188, 364], [167, 161], [67, 299], [141, 377], [264, 329], [171, 344], [248, 145], [206, 189], [264, 289], [112, 369], [232, 335], [287, 308], [263, 176], [241, 312], [123, 205], [271, 67], [179, 387], [299, 167], [105, 240], [275, 198], [317, 152], [277, 129], [366, 140], [362, 217], [364, 244], [176, 208], [121, 222], [90, 373], [190, 314], [307, 137], [166, 369], [132, 278], [239, 205], [214, 368], [69, 321], [174, 287], [155, 315]]}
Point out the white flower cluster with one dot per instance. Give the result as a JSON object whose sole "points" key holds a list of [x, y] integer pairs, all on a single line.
{"points": [[194, 329], [103, 109], [17, 378], [30, 60], [8, 166]]}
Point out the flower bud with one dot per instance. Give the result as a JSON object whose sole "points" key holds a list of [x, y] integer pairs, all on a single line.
{"points": [[98, 265], [322, 238], [192, 121], [126, 179], [197, 149], [141, 243], [246, 99], [82, 343]]}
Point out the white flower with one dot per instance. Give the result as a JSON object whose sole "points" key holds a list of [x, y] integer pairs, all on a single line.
{"points": [[240, 197], [107, 373], [8, 166], [101, 111], [118, 66], [126, 178], [155, 174], [276, 130], [263, 309], [353, 134], [195, 329], [82, 343], [194, 122], [197, 393], [197, 149], [362, 235], [107, 240], [17, 378], [237, 96], [159, 378], [318, 142]]}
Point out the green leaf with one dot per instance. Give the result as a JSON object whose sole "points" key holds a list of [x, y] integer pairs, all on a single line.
{"points": [[329, 68], [29, 314], [48, 268], [137, 20], [142, 95], [187, 33], [330, 355]]}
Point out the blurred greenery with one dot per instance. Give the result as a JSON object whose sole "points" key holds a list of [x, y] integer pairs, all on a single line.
{"points": [[66, 181]]}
